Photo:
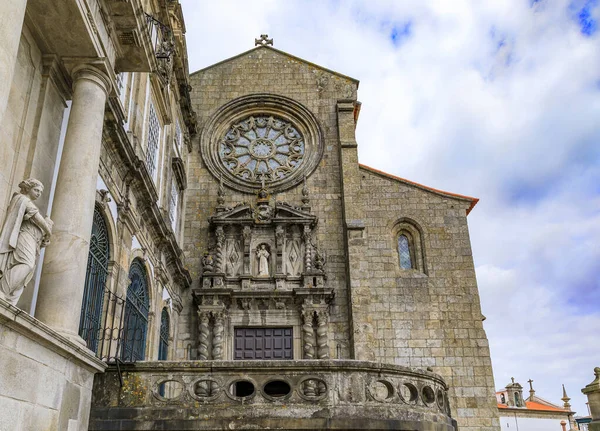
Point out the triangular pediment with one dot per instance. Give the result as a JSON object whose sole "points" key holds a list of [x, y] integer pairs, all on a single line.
{"points": [[239, 212], [282, 53], [285, 211]]}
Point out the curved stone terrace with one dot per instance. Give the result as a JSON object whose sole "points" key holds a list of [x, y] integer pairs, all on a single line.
{"points": [[290, 395]]}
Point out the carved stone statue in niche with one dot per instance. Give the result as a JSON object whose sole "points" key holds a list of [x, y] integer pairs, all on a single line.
{"points": [[24, 232], [262, 257], [208, 263]]}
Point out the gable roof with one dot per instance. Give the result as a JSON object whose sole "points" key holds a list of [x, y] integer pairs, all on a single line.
{"points": [[293, 57], [470, 199]]}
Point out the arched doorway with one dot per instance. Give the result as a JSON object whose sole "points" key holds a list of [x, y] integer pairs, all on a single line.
{"points": [[137, 305], [95, 282]]}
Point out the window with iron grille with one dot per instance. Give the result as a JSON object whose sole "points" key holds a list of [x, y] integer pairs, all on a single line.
{"points": [[95, 282], [163, 346], [174, 203], [153, 139], [135, 322], [178, 136]]}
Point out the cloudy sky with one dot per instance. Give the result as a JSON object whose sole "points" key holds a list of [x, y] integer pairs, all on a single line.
{"points": [[498, 99]]}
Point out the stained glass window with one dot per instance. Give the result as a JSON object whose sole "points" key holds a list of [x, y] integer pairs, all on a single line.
{"points": [[262, 147], [404, 252]]}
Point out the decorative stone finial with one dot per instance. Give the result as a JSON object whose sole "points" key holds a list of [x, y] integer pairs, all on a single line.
{"points": [[512, 379], [221, 195], [263, 40], [531, 390], [24, 232], [565, 399], [305, 197]]}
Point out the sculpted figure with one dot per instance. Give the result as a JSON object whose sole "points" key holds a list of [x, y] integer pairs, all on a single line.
{"points": [[24, 232], [263, 260], [208, 262]]}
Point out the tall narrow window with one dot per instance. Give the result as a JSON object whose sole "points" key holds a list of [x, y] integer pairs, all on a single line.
{"points": [[163, 345], [409, 242], [404, 252], [173, 204], [153, 139], [137, 304], [95, 282], [178, 137]]}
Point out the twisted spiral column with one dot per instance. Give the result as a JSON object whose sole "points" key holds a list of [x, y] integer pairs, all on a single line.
{"points": [[308, 334], [204, 334], [219, 252], [308, 249], [322, 335], [217, 341]]}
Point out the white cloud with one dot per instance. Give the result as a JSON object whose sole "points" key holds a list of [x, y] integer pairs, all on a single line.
{"points": [[494, 99]]}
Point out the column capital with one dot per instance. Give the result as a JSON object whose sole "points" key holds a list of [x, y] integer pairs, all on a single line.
{"points": [[93, 74]]}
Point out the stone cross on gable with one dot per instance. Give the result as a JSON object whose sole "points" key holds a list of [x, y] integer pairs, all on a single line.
{"points": [[263, 40], [530, 384]]}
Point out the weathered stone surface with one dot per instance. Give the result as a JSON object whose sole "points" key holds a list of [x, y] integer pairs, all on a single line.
{"points": [[319, 395], [46, 379]]}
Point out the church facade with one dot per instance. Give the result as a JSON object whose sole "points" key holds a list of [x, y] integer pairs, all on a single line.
{"points": [[218, 255]]}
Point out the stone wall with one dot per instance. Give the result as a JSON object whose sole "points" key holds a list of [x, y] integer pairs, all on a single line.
{"points": [[268, 71], [428, 317], [46, 380]]}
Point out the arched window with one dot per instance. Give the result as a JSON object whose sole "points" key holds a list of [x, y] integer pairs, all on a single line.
{"points": [[95, 282], [135, 324], [163, 345], [404, 246], [408, 239]]}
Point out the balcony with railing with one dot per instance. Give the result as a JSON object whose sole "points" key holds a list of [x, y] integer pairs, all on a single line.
{"points": [[291, 395]]}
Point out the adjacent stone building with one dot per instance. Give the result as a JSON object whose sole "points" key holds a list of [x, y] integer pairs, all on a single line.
{"points": [[533, 413], [219, 258]]}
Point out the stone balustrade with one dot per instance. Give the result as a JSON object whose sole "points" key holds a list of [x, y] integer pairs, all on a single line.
{"points": [[306, 394]]}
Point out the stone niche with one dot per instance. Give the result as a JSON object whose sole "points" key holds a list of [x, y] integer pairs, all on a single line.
{"points": [[263, 269]]}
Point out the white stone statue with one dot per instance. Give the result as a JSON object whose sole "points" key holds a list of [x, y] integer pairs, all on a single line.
{"points": [[263, 261], [24, 232]]}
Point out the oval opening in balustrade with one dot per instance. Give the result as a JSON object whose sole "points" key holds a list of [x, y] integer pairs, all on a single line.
{"points": [[440, 399], [428, 395], [170, 389], [277, 389], [382, 390], [409, 393], [313, 388], [241, 389], [206, 388]]}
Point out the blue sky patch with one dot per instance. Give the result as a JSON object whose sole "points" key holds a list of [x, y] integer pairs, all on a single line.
{"points": [[399, 32], [583, 13]]}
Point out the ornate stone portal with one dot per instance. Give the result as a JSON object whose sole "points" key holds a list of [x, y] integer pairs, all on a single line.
{"points": [[263, 267]]}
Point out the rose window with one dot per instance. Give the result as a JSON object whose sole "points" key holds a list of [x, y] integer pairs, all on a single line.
{"points": [[262, 147]]}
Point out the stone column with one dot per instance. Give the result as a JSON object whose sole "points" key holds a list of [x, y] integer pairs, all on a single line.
{"points": [[203, 334], [217, 341], [12, 14], [63, 275], [592, 391], [322, 334]]}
